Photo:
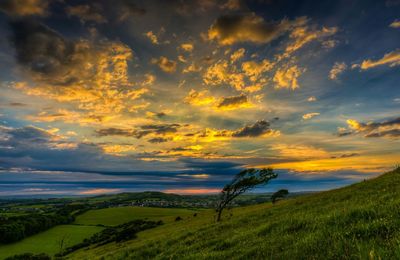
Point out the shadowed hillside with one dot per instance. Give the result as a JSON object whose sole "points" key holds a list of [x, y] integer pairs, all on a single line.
{"points": [[359, 221]]}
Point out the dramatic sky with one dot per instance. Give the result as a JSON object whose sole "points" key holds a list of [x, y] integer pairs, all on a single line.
{"points": [[177, 96]]}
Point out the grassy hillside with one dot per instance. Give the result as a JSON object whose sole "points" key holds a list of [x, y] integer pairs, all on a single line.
{"points": [[85, 226], [49, 240], [361, 221], [117, 216]]}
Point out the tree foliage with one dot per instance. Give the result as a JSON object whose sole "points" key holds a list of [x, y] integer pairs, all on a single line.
{"points": [[242, 182], [279, 194], [15, 228]]}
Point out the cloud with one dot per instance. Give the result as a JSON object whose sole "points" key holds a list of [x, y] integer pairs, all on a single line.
{"points": [[392, 59], [231, 29], [188, 47], [220, 73], [141, 131], [128, 8], [49, 55], [165, 64], [254, 70], [346, 155], [149, 79], [389, 128], [238, 54], [232, 5], [115, 132], [92, 74], [288, 77], [300, 151], [395, 24], [337, 69], [17, 142], [309, 115], [259, 128], [302, 35], [199, 98], [312, 99], [152, 37], [191, 68], [24, 7], [234, 102], [117, 149], [157, 140], [68, 116], [87, 13]]}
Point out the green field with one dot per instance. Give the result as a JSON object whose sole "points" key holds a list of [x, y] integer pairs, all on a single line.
{"points": [[361, 221], [49, 241], [85, 226], [117, 216]]}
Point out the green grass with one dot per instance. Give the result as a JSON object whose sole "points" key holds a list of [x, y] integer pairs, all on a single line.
{"points": [[361, 221], [85, 226], [117, 216], [49, 241]]}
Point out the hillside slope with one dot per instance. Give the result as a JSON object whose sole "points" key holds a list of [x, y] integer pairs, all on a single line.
{"points": [[359, 221]]}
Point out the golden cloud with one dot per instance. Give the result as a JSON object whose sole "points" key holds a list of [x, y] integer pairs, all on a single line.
{"points": [[392, 59], [309, 115], [302, 35], [199, 98], [388, 129], [395, 24], [165, 64], [300, 151], [237, 55], [152, 37], [254, 70], [288, 77], [187, 47]]}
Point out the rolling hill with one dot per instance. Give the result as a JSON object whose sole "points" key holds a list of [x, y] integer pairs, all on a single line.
{"points": [[361, 221]]}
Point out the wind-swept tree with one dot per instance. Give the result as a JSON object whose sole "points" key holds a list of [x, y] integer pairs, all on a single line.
{"points": [[279, 194], [242, 182]]}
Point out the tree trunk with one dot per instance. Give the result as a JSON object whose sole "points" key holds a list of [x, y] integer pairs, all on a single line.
{"points": [[219, 214]]}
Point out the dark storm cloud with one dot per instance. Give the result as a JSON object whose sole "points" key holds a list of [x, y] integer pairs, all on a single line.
{"points": [[114, 132], [230, 29], [34, 148], [233, 101], [346, 155], [41, 50], [259, 128], [24, 7], [17, 104], [128, 8], [209, 164], [158, 140], [87, 13], [386, 133], [141, 131]]}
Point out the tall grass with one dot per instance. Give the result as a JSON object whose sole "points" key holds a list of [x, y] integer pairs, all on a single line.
{"points": [[361, 221]]}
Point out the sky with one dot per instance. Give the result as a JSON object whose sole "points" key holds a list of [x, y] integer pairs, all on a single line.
{"points": [[178, 96]]}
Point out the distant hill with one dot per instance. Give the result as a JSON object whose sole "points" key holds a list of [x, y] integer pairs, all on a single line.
{"points": [[361, 221]]}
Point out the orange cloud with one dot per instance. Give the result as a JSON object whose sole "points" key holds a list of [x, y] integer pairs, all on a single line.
{"points": [[165, 64], [288, 77]]}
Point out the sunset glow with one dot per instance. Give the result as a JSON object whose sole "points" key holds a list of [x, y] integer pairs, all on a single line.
{"points": [[178, 96]]}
